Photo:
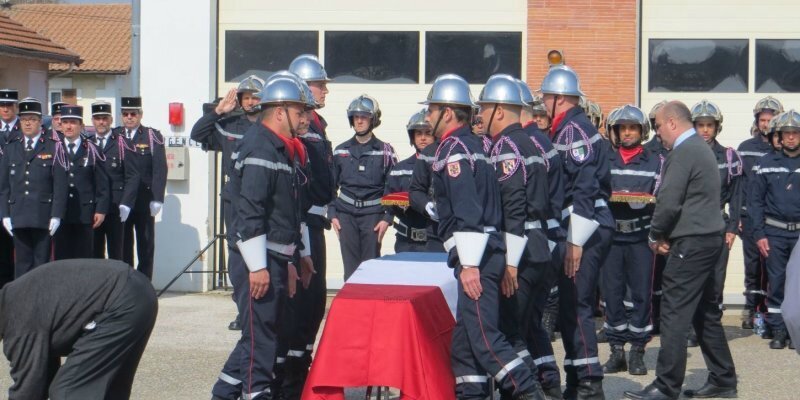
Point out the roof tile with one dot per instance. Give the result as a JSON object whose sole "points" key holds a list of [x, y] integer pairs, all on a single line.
{"points": [[17, 38]]}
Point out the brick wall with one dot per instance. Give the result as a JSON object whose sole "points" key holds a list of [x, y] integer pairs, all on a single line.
{"points": [[598, 40]]}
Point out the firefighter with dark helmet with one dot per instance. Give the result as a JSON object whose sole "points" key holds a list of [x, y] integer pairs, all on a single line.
{"points": [[635, 176], [654, 144], [411, 225], [707, 119], [773, 208], [751, 150], [362, 165], [589, 224]]}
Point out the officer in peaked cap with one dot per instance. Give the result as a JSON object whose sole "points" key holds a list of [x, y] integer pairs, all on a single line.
{"points": [[151, 163], [123, 181], [9, 123], [33, 197], [55, 114]]}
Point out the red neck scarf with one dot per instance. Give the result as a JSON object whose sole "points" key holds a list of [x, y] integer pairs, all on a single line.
{"points": [[628, 154], [295, 149], [316, 119], [556, 122], [450, 132]]}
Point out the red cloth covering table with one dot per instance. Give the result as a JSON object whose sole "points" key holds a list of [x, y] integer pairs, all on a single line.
{"points": [[385, 335]]}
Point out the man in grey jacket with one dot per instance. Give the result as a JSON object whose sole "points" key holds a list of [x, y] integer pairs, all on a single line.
{"points": [[687, 227]]}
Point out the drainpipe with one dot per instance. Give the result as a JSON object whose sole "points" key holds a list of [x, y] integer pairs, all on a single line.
{"points": [[136, 18]]}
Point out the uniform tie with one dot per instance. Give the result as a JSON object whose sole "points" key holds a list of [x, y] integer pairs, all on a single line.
{"points": [[71, 149], [29, 146], [102, 143]]}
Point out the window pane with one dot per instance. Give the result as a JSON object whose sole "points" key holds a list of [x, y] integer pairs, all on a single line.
{"points": [[698, 65], [475, 56], [264, 52], [778, 66], [372, 57]]}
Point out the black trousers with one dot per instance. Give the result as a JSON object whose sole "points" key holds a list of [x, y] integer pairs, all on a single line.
{"points": [[358, 240], [108, 237], [755, 274], [6, 258], [104, 360], [144, 226], [31, 249], [73, 241], [628, 268], [689, 285]]}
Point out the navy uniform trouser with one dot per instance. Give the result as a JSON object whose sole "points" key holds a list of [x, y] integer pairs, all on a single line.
{"points": [[576, 311], [141, 224], [109, 235], [755, 276], [358, 240], [6, 258], [478, 347], [248, 372], [628, 267], [658, 274], [31, 249], [780, 248], [73, 241], [721, 272]]}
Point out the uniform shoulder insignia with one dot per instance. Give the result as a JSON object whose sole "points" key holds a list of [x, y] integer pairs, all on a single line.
{"points": [[453, 169]]}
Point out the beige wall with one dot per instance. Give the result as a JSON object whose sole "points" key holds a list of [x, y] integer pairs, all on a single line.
{"points": [[16, 73], [93, 87]]}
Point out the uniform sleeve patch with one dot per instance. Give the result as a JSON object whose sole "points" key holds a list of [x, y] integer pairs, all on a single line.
{"points": [[454, 169]]}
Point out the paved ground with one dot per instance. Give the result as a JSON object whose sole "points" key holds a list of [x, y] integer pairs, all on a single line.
{"points": [[191, 342]]}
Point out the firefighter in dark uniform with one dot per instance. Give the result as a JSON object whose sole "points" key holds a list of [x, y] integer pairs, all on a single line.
{"points": [[123, 181], [707, 120], [751, 150], [589, 223], [362, 165], [88, 195], [55, 117], [221, 129], [469, 209], [654, 145], [544, 299], [9, 125], [522, 179], [266, 221], [151, 163], [411, 226], [775, 213], [322, 191], [629, 266], [33, 189]]}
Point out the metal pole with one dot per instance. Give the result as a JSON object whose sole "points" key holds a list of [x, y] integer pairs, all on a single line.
{"points": [[189, 265], [136, 20]]}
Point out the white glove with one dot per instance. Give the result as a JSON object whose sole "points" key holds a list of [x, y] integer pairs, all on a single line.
{"points": [[155, 207], [7, 225], [431, 209], [54, 224], [124, 212]]}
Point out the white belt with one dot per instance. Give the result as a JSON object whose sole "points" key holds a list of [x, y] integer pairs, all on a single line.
{"points": [[322, 211], [359, 203], [597, 204], [285, 249], [551, 224], [450, 243]]}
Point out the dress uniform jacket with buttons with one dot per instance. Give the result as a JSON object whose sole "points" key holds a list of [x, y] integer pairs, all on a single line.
{"points": [[322, 189], [750, 151], [9, 134], [88, 184], [150, 160], [267, 185], [221, 133], [399, 180], [640, 175], [360, 172], [731, 170], [121, 170], [34, 183], [522, 178], [587, 179], [773, 194]]}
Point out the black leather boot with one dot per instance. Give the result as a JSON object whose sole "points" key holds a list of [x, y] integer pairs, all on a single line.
{"points": [[747, 319], [692, 340], [636, 361], [236, 324], [590, 390], [780, 339], [601, 336], [616, 362]]}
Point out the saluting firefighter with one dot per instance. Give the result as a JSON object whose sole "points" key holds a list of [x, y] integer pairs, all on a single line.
{"points": [[468, 204], [589, 223], [123, 181], [751, 150], [361, 165], [88, 194], [775, 213], [635, 175], [221, 129], [522, 179], [151, 163], [266, 221], [707, 120], [33, 189], [411, 226], [9, 122]]}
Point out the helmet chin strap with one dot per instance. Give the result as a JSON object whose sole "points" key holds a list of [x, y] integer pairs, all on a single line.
{"points": [[491, 118], [292, 130], [436, 126]]}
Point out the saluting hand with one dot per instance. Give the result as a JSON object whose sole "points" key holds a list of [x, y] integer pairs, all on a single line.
{"points": [[471, 281], [259, 283], [227, 104]]}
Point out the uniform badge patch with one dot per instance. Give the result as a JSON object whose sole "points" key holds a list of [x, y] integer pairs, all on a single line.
{"points": [[508, 166], [454, 169], [579, 153]]}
